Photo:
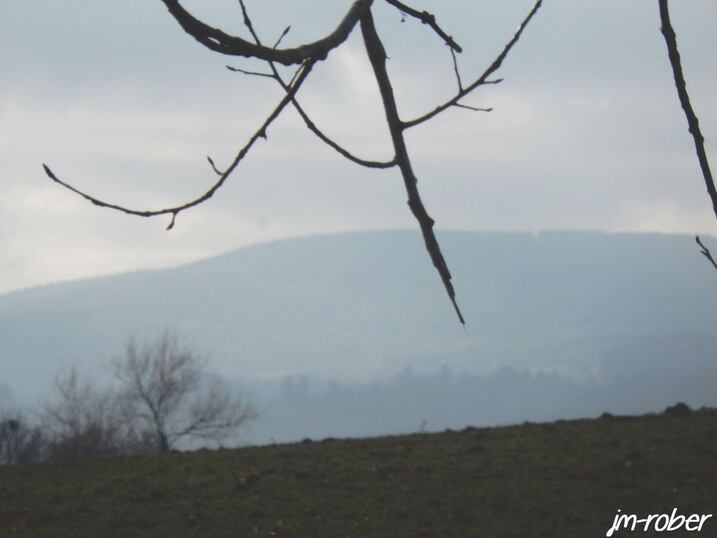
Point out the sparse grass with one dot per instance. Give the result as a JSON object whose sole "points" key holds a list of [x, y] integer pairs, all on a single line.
{"points": [[563, 479]]}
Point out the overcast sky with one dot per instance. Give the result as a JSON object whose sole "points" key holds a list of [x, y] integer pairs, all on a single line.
{"points": [[586, 131]]}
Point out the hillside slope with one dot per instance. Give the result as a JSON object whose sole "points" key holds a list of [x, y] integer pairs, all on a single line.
{"points": [[564, 479], [364, 306]]}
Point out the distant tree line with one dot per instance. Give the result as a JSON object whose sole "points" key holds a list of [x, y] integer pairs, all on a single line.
{"points": [[161, 395], [310, 407]]}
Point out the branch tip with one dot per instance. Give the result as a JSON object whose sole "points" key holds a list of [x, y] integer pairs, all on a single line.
{"points": [[377, 57], [706, 252], [49, 172], [426, 18], [214, 166], [283, 34]]}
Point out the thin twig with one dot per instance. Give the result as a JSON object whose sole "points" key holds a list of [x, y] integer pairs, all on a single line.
{"points": [[456, 71], [174, 211], [282, 36], [692, 121], [483, 79], [249, 25], [304, 116], [706, 252], [250, 73], [474, 108], [293, 78], [426, 18], [214, 166]]}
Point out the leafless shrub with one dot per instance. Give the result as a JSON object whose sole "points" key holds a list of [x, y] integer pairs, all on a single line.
{"points": [[82, 421]]}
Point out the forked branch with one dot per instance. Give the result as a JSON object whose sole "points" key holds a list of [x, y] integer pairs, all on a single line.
{"points": [[299, 109], [705, 251], [484, 78]]}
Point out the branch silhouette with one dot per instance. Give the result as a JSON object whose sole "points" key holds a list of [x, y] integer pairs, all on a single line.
{"points": [[377, 56], [705, 251], [218, 41], [483, 79], [306, 56], [299, 109], [694, 124], [175, 210], [427, 18]]}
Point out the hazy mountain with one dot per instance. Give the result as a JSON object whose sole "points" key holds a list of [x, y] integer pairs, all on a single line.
{"points": [[363, 306]]}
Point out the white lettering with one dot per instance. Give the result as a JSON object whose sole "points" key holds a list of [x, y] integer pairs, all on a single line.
{"points": [[660, 522], [694, 518], [666, 522], [675, 521], [625, 519]]}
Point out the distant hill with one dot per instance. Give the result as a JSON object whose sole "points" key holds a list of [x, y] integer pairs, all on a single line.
{"points": [[363, 306]]}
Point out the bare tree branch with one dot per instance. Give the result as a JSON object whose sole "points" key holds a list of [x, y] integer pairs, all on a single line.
{"points": [[218, 41], [251, 73], [483, 79], [426, 18], [282, 36], [175, 210], [81, 420], [300, 110], [474, 108], [692, 121], [214, 166], [377, 57], [306, 56], [457, 71]]}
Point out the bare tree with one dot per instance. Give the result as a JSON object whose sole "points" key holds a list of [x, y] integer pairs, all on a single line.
{"points": [[305, 57], [165, 393]]}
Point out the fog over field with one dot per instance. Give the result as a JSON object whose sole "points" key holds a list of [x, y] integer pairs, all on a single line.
{"points": [[351, 334]]}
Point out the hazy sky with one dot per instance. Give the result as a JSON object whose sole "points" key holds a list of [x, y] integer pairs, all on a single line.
{"points": [[586, 131]]}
